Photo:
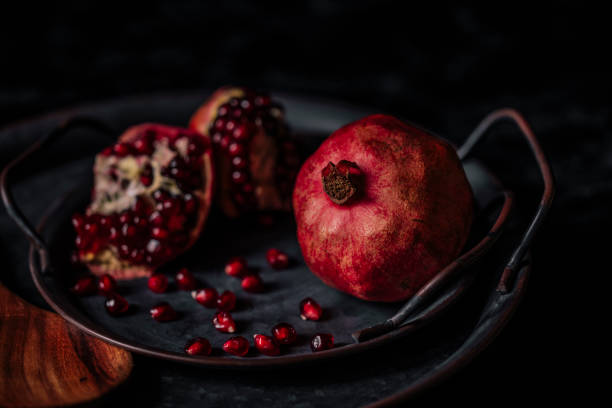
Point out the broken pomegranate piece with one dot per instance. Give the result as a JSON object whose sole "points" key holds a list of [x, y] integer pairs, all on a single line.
{"points": [[151, 196], [256, 161]]}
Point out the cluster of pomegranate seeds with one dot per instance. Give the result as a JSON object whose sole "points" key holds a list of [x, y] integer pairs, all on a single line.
{"points": [[224, 322], [116, 305], [237, 346], [284, 334], [237, 267], [198, 346], [277, 259], [310, 309], [226, 301], [266, 345], [207, 297], [155, 227], [322, 341], [185, 280], [107, 284], [163, 312], [85, 286], [235, 124], [158, 283], [252, 283]]}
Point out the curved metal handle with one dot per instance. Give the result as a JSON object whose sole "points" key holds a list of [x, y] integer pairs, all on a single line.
{"points": [[7, 197], [507, 279], [444, 276]]}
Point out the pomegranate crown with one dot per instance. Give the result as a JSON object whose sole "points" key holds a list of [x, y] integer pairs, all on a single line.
{"points": [[342, 182]]}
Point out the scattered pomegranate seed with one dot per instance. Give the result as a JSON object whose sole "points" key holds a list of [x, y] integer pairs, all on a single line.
{"points": [[266, 345], [224, 322], [158, 283], [107, 284], [284, 333], [238, 346], [236, 267], [85, 286], [322, 341], [310, 309], [206, 297], [252, 283], [116, 305], [277, 259], [227, 301], [198, 347], [163, 312], [185, 280]]}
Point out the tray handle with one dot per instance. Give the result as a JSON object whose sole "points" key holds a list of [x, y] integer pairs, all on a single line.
{"points": [[12, 208], [506, 281]]}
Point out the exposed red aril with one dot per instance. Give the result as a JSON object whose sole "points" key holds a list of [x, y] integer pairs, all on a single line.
{"points": [[322, 341], [226, 301], [185, 280], [163, 312], [236, 267], [277, 259], [310, 309], [403, 220], [158, 283], [266, 345], [85, 286], [116, 305], [207, 297], [249, 139], [152, 193], [198, 346], [224, 322], [237, 346], [284, 333], [252, 283], [106, 284]]}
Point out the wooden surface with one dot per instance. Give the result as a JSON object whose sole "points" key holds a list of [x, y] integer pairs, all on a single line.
{"points": [[44, 361]]}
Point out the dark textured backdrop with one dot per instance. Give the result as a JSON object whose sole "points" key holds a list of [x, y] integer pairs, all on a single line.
{"points": [[443, 67]]}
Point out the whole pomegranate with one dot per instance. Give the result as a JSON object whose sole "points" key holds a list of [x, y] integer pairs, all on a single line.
{"points": [[381, 207], [256, 162], [152, 192]]}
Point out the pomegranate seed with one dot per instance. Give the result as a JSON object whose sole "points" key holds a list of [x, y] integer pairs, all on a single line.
{"points": [[143, 146], [223, 110], [158, 283], [239, 162], [159, 233], [146, 180], [277, 259], [224, 322], [227, 301], [241, 132], [207, 297], [107, 284], [185, 280], [239, 177], [190, 203], [236, 267], [77, 221], [225, 142], [198, 347], [252, 283], [85, 286], [284, 333], [107, 151], [266, 345], [237, 346], [262, 100], [163, 312], [128, 230], [216, 137], [230, 125], [322, 341], [219, 124], [153, 246], [310, 309], [122, 149], [235, 149], [116, 305]]}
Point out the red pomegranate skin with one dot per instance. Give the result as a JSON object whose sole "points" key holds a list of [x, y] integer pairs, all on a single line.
{"points": [[409, 219]]}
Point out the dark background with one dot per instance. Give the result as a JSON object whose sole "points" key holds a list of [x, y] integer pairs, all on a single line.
{"points": [[441, 66]]}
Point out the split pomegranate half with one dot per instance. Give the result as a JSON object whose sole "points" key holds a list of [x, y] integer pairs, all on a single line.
{"points": [[151, 196], [256, 161]]}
